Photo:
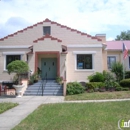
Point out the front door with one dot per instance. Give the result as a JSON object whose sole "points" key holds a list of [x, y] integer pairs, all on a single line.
{"points": [[49, 67]]}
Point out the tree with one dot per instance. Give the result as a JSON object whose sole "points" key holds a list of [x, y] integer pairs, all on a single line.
{"points": [[19, 67], [125, 35]]}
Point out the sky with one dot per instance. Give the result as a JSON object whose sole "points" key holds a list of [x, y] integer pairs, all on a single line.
{"points": [[108, 17]]}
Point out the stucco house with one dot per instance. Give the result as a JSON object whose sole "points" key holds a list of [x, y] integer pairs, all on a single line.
{"points": [[59, 50]]}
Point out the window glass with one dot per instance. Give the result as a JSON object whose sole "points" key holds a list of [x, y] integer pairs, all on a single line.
{"points": [[110, 60], [84, 61], [46, 30], [10, 58], [129, 61]]}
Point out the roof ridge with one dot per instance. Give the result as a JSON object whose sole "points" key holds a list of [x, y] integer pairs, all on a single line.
{"points": [[52, 22], [47, 36]]}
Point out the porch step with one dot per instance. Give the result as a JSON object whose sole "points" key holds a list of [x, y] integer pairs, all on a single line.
{"points": [[51, 88]]}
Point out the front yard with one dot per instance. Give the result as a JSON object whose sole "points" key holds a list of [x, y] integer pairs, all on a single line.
{"points": [[6, 106], [77, 116], [99, 95]]}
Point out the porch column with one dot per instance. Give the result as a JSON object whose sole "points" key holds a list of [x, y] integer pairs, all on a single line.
{"points": [[36, 61], [58, 63]]}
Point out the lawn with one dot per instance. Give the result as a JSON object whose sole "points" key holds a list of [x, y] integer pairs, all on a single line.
{"points": [[77, 116], [99, 95], [6, 106]]}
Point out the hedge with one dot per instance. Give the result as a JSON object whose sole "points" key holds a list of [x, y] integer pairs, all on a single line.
{"points": [[125, 83]]}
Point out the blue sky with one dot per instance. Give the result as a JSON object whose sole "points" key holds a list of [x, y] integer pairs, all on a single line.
{"points": [[108, 17]]}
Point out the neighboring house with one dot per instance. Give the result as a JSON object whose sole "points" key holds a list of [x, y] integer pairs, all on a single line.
{"points": [[58, 51], [114, 53]]}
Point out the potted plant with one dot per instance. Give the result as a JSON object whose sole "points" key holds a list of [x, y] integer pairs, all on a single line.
{"points": [[19, 67]]}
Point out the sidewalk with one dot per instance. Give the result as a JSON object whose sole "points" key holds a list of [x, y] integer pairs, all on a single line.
{"points": [[28, 104]]}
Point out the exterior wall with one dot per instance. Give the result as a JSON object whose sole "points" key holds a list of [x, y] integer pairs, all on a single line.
{"points": [[119, 57], [81, 75], [104, 59]]}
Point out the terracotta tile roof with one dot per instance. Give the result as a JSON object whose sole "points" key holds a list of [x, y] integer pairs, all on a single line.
{"points": [[47, 36], [52, 22], [117, 45]]}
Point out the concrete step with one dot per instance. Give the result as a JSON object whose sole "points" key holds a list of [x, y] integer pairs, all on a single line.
{"points": [[50, 88]]}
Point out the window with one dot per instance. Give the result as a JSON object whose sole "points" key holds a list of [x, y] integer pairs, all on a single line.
{"points": [[10, 58], [46, 30], [84, 61], [129, 61], [110, 60]]}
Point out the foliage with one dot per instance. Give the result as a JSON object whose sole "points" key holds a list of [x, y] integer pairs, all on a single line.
{"points": [[74, 88], [59, 80], [117, 69], [34, 78], [125, 89], [118, 88], [127, 74], [15, 79], [125, 83], [109, 79], [18, 67], [124, 35], [97, 77], [95, 85]]}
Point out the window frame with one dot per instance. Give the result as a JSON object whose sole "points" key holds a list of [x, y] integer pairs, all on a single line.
{"points": [[110, 56], [44, 30], [87, 53], [5, 59], [129, 61]]}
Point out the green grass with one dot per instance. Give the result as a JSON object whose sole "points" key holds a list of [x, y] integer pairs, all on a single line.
{"points": [[6, 106], [77, 116], [99, 95]]}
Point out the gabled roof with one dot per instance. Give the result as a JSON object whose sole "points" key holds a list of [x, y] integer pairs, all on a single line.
{"points": [[47, 36], [52, 22], [117, 45]]}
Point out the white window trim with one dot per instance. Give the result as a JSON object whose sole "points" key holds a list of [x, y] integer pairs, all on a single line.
{"points": [[129, 61], [84, 52], [11, 53], [14, 53], [15, 47], [84, 45]]}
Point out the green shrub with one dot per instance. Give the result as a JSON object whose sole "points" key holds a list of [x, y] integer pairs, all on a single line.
{"points": [[59, 80], [118, 89], [97, 77], [127, 74], [125, 89], [74, 88], [109, 79], [125, 83], [117, 68], [95, 85]]}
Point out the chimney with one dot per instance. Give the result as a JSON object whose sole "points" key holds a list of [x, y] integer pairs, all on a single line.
{"points": [[102, 37]]}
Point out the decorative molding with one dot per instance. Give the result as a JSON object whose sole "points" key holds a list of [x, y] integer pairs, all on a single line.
{"points": [[14, 53], [82, 45], [84, 52], [15, 47]]}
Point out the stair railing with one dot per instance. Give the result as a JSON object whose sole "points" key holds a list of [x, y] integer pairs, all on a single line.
{"points": [[43, 83]]}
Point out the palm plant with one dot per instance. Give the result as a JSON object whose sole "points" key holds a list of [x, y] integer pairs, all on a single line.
{"points": [[117, 69]]}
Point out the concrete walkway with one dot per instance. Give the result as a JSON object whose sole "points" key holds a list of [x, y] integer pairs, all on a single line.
{"points": [[28, 104]]}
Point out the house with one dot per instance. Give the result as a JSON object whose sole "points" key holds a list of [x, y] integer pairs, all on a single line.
{"points": [[59, 51]]}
